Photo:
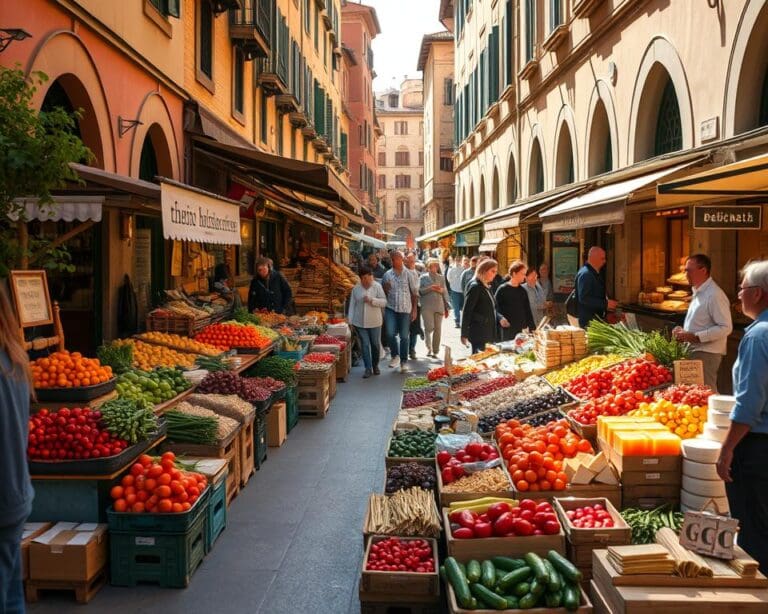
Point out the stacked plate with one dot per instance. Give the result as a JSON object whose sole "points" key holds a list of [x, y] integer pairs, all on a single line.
{"points": [[702, 487], [718, 417]]}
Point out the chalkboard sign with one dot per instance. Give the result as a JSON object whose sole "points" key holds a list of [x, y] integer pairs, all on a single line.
{"points": [[728, 217], [30, 293]]}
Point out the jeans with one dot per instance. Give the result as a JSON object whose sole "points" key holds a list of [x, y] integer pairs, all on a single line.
{"points": [[433, 325], [11, 588], [748, 496], [457, 301], [398, 324], [369, 342]]}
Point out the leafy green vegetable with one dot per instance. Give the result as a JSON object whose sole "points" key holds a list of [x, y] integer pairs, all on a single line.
{"points": [[243, 316], [119, 356], [279, 368], [129, 419], [191, 429]]}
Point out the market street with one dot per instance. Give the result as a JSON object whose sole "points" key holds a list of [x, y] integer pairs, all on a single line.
{"points": [[292, 542]]}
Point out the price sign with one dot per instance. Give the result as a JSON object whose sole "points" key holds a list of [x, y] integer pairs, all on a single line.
{"points": [[689, 372], [30, 294], [709, 534]]}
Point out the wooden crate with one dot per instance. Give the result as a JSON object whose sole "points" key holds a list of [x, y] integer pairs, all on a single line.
{"points": [[402, 584], [447, 498], [344, 363], [612, 492], [314, 395], [396, 460], [247, 451], [620, 534], [586, 431], [649, 496], [332, 380], [388, 603], [484, 548], [84, 591], [585, 607]]}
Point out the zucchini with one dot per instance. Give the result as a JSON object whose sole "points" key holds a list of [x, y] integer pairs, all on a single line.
{"points": [[474, 571], [528, 601], [473, 604], [571, 597], [513, 603], [521, 589], [507, 563], [555, 581], [537, 566], [564, 567], [458, 581], [553, 600], [538, 587], [514, 577], [488, 575], [488, 597]]}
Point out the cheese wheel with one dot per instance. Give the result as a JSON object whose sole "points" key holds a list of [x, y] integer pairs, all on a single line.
{"points": [[714, 433], [718, 505], [721, 402], [719, 419], [701, 450], [705, 488], [702, 471]]}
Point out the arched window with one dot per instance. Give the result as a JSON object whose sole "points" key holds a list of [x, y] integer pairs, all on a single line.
{"points": [[600, 145], [511, 182], [669, 133], [495, 204], [403, 208], [482, 203], [148, 164], [564, 164], [536, 172]]}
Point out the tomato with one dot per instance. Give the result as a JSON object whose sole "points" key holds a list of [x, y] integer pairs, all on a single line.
{"points": [[483, 529], [497, 509], [522, 527], [463, 533], [137, 469], [503, 524]]}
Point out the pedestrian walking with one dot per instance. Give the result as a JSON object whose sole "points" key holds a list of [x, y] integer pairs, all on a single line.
{"points": [[434, 305], [535, 294], [269, 289], [460, 264], [402, 290], [708, 321], [415, 268], [590, 296], [15, 486], [742, 458], [366, 313], [512, 303], [479, 321], [376, 269], [468, 275], [549, 291]]}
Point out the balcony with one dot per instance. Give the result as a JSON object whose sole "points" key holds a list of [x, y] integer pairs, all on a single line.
{"points": [[287, 103], [321, 145], [250, 27], [297, 117], [273, 74]]}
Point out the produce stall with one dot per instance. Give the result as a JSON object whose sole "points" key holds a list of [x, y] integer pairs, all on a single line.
{"points": [[557, 477]]}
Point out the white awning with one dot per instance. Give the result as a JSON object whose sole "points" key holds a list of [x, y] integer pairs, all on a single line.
{"points": [[510, 217], [66, 208], [194, 215], [491, 240], [373, 241], [601, 207], [449, 230]]}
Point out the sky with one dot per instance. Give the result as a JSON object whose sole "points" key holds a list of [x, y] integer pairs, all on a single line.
{"points": [[396, 50]]}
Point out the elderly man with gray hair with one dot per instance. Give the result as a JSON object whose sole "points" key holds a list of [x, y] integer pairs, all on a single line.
{"points": [[434, 305]]}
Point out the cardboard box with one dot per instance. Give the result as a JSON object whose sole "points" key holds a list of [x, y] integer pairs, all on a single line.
{"points": [[31, 530], [69, 551], [276, 426], [642, 463], [651, 477]]}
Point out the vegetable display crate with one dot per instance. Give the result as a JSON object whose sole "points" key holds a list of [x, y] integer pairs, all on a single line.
{"points": [[75, 395], [179, 325], [585, 431], [83, 591], [216, 520], [648, 497], [165, 549], [344, 363], [246, 450], [612, 492], [314, 394], [585, 607], [294, 354], [387, 603], [260, 442], [291, 408], [446, 498], [402, 584], [228, 449], [332, 380]]}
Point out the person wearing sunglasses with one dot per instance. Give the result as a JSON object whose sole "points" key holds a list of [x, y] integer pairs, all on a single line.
{"points": [[708, 320]]}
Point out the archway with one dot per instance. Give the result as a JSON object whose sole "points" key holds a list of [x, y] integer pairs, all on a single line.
{"points": [[471, 207], [482, 205], [403, 234], [495, 204], [511, 180], [158, 127], [600, 152], [564, 165], [155, 157], [535, 169]]}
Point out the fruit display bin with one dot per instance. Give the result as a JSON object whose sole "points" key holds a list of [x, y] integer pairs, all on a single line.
{"points": [[75, 395]]}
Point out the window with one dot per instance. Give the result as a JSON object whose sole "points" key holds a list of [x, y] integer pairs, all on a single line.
{"points": [[555, 14], [421, 158], [238, 77], [421, 181], [360, 135], [508, 39], [402, 158], [401, 128], [382, 182], [317, 30], [394, 101], [382, 158], [169, 8], [493, 65], [264, 118], [403, 209], [669, 135], [205, 44], [344, 154], [402, 181], [530, 29], [448, 92], [446, 162], [361, 176], [279, 128], [308, 16]]}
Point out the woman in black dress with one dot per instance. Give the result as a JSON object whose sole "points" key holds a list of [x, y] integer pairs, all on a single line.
{"points": [[512, 303], [479, 320]]}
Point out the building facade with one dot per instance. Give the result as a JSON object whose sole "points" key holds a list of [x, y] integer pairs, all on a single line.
{"points": [[400, 159], [436, 64]]}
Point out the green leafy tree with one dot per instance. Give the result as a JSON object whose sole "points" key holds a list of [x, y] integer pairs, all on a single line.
{"points": [[36, 148]]}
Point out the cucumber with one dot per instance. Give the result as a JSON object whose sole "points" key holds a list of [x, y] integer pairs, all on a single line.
{"points": [[513, 603], [514, 577], [538, 587], [553, 600], [473, 604], [463, 568], [443, 575], [555, 582], [488, 597], [537, 566], [571, 597], [458, 581], [506, 563], [564, 567], [488, 575], [522, 589], [528, 601], [474, 571]]}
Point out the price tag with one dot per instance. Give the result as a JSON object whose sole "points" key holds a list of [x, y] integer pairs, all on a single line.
{"points": [[709, 534], [689, 372]]}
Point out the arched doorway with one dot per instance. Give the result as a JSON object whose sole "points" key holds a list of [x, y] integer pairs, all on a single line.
{"points": [[564, 172], [600, 156], [536, 169]]}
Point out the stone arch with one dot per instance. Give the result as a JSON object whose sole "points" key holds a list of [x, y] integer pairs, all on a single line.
{"points": [[601, 127], [660, 62], [158, 127], [747, 70], [565, 162], [536, 167], [63, 57], [495, 202]]}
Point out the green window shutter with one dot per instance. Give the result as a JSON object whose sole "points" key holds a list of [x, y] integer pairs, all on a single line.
{"points": [[173, 8], [344, 148]]}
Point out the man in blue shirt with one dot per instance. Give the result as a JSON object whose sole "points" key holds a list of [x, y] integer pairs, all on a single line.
{"points": [[742, 463], [590, 288], [402, 289]]}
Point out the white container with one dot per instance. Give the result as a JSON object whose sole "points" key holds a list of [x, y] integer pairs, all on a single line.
{"points": [[718, 419], [701, 450], [714, 433], [701, 471], [704, 488], [719, 505], [721, 402]]}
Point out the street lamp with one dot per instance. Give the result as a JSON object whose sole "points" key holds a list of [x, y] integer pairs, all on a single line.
{"points": [[8, 35]]}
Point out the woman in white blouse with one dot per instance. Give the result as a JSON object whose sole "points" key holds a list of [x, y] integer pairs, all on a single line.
{"points": [[366, 314]]}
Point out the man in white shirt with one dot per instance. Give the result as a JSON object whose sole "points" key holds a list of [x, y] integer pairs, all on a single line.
{"points": [[453, 277], [708, 321]]}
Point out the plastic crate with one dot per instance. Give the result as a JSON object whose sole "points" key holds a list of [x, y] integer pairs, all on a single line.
{"points": [[216, 513], [260, 441], [166, 523], [291, 408], [159, 557]]}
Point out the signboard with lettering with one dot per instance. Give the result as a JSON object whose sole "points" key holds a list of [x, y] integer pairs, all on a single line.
{"points": [[689, 372], [728, 217], [565, 265], [709, 534], [189, 215], [30, 293]]}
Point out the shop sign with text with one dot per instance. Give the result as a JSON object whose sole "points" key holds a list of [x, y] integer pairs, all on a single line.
{"points": [[189, 215], [728, 217]]}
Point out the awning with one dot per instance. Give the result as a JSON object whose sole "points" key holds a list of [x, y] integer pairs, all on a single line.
{"points": [[468, 238], [510, 217], [66, 208], [372, 241], [744, 179], [603, 206], [190, 214], [449, 230], [491, 240]]}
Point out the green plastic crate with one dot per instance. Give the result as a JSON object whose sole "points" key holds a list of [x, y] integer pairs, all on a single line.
{"points": [[216, 513], [165, 523], [291, 408], [260, 441]]}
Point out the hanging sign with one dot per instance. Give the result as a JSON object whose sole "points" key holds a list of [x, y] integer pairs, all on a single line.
{"points": [[728, 217], [30, 293], [189, 215]]}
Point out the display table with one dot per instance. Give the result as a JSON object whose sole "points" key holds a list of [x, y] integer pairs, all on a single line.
{"points": [[54, 405]]}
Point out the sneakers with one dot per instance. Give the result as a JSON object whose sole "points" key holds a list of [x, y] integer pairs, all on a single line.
{"points": [[376, 371], [394, 363], [412, 355], [367, 374], [404, 369]]}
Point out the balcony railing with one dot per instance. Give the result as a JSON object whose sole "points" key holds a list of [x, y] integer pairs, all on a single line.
{"points": [[251, 27], [273, 74]]}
